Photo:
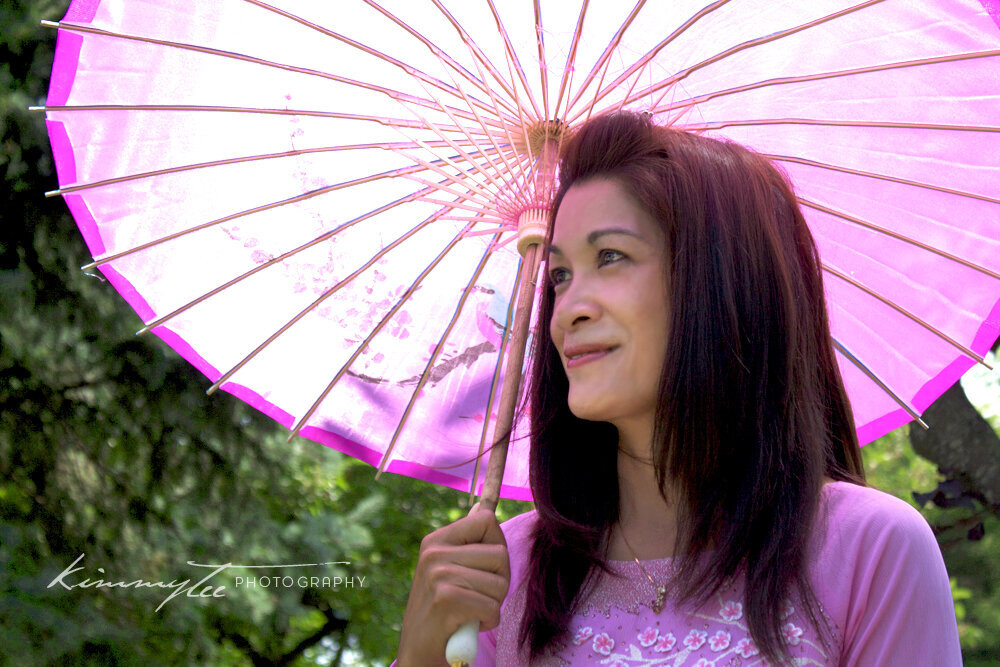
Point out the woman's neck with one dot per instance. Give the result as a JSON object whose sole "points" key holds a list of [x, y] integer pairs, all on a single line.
{"points": [[648, 522]]}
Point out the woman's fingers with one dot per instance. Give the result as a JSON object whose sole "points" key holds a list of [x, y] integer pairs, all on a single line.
{"points": [[462, 573], [488, 557]]}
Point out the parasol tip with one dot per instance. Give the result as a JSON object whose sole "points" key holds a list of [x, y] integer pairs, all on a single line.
{"points": [[50, 24]]}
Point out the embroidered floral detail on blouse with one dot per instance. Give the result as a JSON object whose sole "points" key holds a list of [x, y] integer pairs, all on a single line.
{"points": [[702, 662], [719, 641], [665, 643], [603, 643], [732, 611], [583, 634], [792, 634], [745, 648], [648, 637], [695, 639], [619, 663], [786, 609]]}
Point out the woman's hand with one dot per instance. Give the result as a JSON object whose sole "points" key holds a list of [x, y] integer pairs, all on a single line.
{"points": [[462, 574]]}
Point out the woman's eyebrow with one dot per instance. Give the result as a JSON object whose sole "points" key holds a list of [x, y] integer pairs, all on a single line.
{"points": [[598, 233]]}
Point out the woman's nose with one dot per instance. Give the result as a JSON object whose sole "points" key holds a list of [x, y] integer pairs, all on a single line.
{"points": [[576, 305]]}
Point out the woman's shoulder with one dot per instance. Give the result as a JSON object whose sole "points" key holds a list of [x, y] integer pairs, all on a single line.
{"points": [[518, 530], [855, 511], [879, 576]]}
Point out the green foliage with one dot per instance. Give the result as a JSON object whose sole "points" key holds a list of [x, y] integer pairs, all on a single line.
{"points": [[110, 448]]}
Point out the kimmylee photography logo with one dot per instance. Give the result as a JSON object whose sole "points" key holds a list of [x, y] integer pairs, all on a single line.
{"points": [[75, 576]]}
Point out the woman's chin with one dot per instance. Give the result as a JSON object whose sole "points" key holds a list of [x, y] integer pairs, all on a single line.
{"points": [[590, 411]]}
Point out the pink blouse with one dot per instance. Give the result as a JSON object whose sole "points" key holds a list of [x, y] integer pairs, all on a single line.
{"points": [[876, 570]]}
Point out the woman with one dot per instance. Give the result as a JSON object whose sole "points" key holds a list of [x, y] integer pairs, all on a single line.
{"points": [[697, 480]]}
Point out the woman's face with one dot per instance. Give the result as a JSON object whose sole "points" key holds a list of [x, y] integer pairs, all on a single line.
{"points": [[607, 264]]}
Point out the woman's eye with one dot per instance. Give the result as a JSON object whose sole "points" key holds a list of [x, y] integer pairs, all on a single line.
{"points": [[558, 275], [608, 256]]}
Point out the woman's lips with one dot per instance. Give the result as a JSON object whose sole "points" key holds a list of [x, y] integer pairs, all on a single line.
{"points": [[587, 358]]}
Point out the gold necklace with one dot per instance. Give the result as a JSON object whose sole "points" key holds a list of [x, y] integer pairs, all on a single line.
{"points": [[661, 590]]}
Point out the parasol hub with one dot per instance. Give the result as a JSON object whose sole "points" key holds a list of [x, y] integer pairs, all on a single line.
{"points": [[532, 227], [532, 139]]}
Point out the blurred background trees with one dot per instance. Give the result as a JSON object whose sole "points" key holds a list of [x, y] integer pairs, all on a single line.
{"points": [[109, 447]]}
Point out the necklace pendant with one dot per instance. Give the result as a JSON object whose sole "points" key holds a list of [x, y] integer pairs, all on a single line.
{"points": [[661, 599]]}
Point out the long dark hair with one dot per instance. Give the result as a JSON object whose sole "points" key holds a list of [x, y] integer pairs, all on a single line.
{"points": [[752, 411]]}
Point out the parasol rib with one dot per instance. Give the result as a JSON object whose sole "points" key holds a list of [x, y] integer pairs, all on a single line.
{"points": [[257, 209], [511, 56], [495, 381], [716, 125], [903, 311], [474, 202], [639, 65], [330, 292], [898, 236], [425, 375], [604, 59], [543, 66], [236, 160], [510, 140], [389, 92], [452, 64], [467, 207], [512, 380], [374, 332], [874, 378], [500, 188], [566, 80], [699, 99], [683, 74], [382, 120], [882, 177], [478, 57], [281, 258], [502, 173], [409, 69]]}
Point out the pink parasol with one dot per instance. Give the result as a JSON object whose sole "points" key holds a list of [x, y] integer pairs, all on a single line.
{"points": [[317, 204]]}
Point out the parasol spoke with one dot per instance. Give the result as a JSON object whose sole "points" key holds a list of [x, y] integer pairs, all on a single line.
{"points": [[508, 188], [429, 367], [602, 62], [382, 120], [699, 99], [236, 160], [716, 125], [388, 92], [250, 211], [881, 177], [323, 297], [903, 311], [467, 207], [684, 73], [480, 59], [637, 67], [502, 190], [543, 66], [877, 380], [473, 202], [495, 380], [378, 327], [409, 69], [511, 56], [898, 236], [281, 258], [453, 66], [566, 81]]}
